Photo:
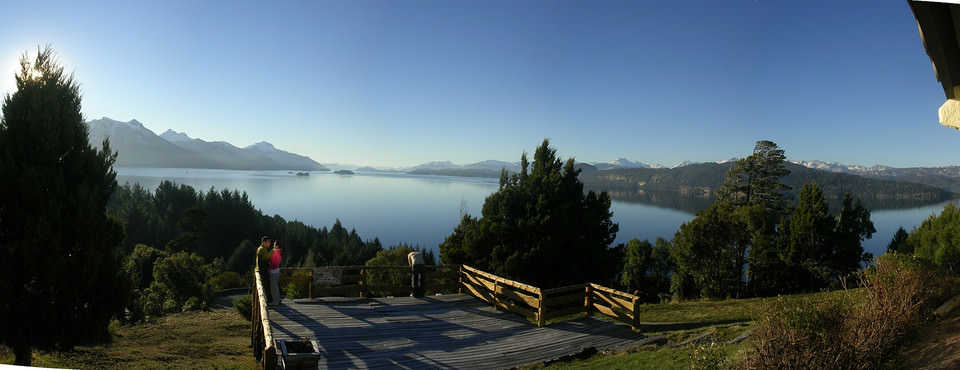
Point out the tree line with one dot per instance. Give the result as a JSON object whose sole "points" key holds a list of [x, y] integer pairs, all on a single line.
{"points": [[755, 241], [540, 227], [705, 179], [935, 239]]}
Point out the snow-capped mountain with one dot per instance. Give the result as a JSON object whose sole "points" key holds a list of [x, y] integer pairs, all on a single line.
{"points": [[435, 165], [173, 136], [495, 165], [263, 146], [683, 164], [137, 146], [842, 168], [624, 163]]}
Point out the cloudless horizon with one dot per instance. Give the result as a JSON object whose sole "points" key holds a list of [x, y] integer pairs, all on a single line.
{"points": [[399, 83]]}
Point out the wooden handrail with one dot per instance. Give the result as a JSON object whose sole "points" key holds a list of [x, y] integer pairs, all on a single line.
{"points": [[356, 279], [262, 332], [524, 299], [544, 304]]}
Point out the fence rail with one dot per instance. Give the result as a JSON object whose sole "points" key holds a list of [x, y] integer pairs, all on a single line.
{"points": [[541, 305], [261, 335], [367, 281]]}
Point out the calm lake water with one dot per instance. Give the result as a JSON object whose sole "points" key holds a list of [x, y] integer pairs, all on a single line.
{"points": [[423, 210]]}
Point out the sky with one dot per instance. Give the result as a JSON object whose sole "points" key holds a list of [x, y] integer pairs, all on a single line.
{"points": [[397, 83]]}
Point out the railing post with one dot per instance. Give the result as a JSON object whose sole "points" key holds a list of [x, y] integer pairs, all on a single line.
{"points": [[588, 300], [460, 273], [256, 336], [540, 311], [363, 282], [263, 348], [636, 313], [496, 293]]}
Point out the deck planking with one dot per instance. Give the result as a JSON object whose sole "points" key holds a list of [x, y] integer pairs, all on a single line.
{"points": [[450, 331]]}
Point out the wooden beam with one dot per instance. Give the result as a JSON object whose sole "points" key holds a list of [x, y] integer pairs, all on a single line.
{"points": [[269, 351], [518, 296], [612, 301]]}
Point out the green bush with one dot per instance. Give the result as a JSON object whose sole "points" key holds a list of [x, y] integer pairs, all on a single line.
{"points": [[295, 289], [226, 280], [708, 357], [192, 304], [244, 306], [857, 329]]}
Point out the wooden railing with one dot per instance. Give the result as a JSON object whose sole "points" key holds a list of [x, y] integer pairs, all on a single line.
{"points": [[367, 281], [507, 294], [261, 338], [541, 305], [623, 307]]}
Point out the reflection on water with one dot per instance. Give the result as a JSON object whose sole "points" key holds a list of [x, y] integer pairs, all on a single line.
{"points": [[666, 199], [423, 210]]}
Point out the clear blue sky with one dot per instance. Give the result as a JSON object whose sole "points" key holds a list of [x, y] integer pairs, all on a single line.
{"points": [[398, 83]]}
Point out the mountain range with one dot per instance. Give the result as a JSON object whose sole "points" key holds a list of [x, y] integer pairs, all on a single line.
{"points": [[138, 146]]}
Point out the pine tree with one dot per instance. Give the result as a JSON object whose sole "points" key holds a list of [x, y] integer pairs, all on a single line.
{"points": [[852, 227], [61, 283], [898, 244], [709, 251], [540, 227], [811, 229], [756, 179]]}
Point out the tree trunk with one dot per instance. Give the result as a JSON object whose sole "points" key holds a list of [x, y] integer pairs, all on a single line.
{"points": [[23, 355]]}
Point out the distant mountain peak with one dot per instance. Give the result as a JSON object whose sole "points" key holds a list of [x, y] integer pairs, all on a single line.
{"points": [[140, 147], [263, 146], [683, 164], [173, 136]]}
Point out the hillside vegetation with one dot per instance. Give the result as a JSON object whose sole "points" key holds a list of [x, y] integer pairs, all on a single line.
{"points": [[702, 180]]}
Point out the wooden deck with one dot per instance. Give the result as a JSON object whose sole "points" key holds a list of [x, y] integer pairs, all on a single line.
{"points": [[451, 331]]}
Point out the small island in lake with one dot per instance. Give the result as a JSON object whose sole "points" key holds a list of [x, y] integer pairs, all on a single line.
{"points": [[343, 172], [303, 173]]}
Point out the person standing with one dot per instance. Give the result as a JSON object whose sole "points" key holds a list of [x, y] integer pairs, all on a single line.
{"points": [[415, 259], [275, 272], [263, 265]]}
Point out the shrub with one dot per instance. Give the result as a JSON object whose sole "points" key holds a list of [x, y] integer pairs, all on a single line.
{"points": [[244, 306], [708, 357], [192, 304], [227, 280], [298, 289], [853, 330]]}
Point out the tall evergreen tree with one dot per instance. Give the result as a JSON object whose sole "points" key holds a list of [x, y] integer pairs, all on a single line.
{"points": [[636, 263], [853, 225], [811, 229], [647, 269], [756, 179], [61, 284], [766, 274], [709, 250], [898, 244], [540, 227]]}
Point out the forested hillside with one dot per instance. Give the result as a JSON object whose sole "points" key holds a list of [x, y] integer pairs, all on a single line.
{"points": [[702, 180]]}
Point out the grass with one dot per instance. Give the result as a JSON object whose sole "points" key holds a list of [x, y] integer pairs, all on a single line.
{"points": [[200, 339], [722, 320], [220, 339]]}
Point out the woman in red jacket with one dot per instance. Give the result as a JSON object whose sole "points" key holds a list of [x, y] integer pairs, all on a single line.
{"points": [[275, 272]]}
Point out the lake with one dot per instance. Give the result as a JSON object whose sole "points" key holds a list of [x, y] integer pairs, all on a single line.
{"points": [[423, 210]]}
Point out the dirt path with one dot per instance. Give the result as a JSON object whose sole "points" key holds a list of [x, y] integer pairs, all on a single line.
{"points": [[937, 346]]}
